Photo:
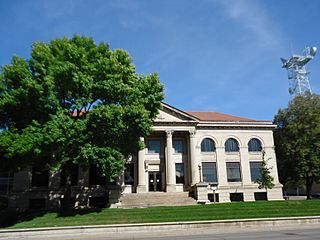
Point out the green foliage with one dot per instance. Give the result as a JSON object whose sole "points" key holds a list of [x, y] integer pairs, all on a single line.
{"points": [[297, 140], [265, 180], [74, 101]]}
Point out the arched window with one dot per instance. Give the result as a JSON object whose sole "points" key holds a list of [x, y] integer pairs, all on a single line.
{"points": [[231, 145], [207, 145], [254, 145]]}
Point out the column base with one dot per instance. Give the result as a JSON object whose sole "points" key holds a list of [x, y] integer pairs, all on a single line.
{"points": [[202, 193], [171, 188], [141, 189]]}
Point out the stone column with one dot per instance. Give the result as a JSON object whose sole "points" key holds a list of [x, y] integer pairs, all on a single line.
{"points": [[135, 172], [221, 167], [223, 186], [276, 192], [195, 178], [270, 158], [170, 164], [141, 170], [245, 166], [245, 172]]}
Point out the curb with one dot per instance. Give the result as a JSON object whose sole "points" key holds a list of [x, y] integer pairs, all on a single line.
{"points": [[138, 227]]}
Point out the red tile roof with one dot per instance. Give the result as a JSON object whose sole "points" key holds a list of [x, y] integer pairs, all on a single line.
{"points": [[219, 117]]}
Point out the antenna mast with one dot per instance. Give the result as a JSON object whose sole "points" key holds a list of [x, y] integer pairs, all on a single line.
{"points": [[297, 72]]}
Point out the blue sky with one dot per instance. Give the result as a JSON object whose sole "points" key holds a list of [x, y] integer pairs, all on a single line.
{"points": [[211, 55]]}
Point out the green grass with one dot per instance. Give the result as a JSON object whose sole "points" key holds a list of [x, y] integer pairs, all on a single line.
{"points": [[235, 210]]}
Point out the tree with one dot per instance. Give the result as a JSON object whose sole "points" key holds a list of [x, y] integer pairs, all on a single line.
{"points": [[74, 101], [265, 180], [297, 141]]}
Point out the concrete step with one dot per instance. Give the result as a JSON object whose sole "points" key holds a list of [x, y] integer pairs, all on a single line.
{"points": [[152, 199]]}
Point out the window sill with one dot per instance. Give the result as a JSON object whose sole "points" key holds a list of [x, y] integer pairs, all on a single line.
{"points": [[213, 183], [155, 155], [235, 183], [232, 153], [255, 153]]}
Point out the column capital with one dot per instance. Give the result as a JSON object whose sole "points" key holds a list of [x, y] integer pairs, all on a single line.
{"points": [[169, 133], [192, 133]]}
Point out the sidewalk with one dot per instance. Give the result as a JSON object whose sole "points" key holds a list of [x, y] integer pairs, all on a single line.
{"points": [[220, 225]]}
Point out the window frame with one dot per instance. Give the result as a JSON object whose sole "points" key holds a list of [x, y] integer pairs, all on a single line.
{"points": [[148, 146], [202, 146], [215, 167], [74, 175], [240, 172], [128, 174], [251, 175], [183, 177], [231, 150], [95, 176], [6, 181], [39, 177], [250, 150], [182, 146]]}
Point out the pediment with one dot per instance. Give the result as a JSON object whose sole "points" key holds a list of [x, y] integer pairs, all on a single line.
{"points": [[171, 114]]}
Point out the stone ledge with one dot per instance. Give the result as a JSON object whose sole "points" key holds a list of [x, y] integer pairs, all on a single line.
{"points": [[117, 228]]}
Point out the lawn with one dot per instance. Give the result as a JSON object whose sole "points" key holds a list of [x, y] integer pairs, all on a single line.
{"points": [[235, 210]]}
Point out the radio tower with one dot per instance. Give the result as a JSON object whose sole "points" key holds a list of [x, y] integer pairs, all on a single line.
{"points": [[297, 72]]}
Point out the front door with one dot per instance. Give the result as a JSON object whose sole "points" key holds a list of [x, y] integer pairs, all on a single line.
{"points": [[155, 182]]}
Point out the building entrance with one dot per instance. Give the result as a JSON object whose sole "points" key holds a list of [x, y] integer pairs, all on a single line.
{"points": [[155, 184]]}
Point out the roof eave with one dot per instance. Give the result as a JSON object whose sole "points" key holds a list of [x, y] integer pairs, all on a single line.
{"points": [[236, 124]]}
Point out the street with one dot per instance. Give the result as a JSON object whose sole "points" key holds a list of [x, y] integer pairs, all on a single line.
{"points": [[298, 232]]}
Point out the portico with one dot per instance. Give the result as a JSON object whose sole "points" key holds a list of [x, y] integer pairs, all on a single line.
{"points": [[167, 162]]}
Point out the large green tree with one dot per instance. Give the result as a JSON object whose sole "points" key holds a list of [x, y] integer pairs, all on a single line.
{"points": [[74, 101], [297, 140]]}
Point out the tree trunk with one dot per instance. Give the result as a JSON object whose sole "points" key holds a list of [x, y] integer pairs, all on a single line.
{"points": [[67, 194], [309, 182]]}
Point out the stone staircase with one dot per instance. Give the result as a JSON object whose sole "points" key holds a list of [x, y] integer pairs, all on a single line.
{"points": [[154, 199]]}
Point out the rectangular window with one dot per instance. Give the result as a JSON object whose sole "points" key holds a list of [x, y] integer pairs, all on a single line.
{"points": [[180, 173], [128, 174], [40, 178], [236, 197], [96, 177], [260, 196], [37, 203], [6, 181], [178, 146], [154, 146], [98, 202], [233, 172], [73, 172], [255, 171], [213, 197], [63, 203], [209, 172]]}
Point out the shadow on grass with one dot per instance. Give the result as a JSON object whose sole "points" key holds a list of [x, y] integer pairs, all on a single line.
{"points": [[10, 218]]}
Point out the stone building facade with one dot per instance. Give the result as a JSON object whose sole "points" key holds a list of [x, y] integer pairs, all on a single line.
{"points": [[213, 156]]}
